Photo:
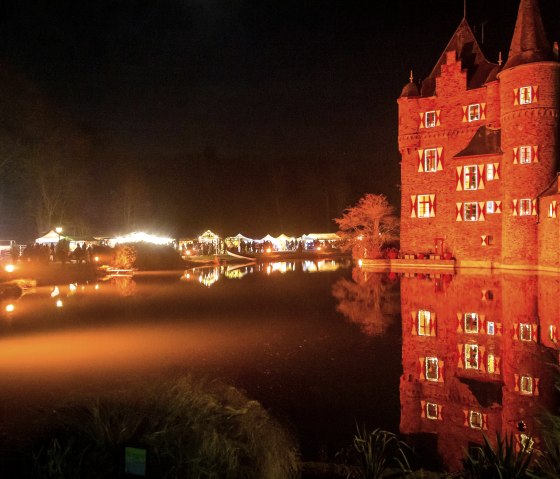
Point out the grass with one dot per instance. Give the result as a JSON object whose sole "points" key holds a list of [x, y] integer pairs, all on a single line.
{"points": [[190, 429]]}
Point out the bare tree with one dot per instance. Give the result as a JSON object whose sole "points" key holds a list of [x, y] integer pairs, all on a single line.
{"points": [[369, 226]]}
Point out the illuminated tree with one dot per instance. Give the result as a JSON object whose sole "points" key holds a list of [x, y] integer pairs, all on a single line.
{"points": [[369, 226]]}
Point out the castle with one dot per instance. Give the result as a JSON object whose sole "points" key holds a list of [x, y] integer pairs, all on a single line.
{"points": [[480, 153]]}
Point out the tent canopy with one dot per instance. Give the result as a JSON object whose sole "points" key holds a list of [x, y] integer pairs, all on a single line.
{"points": [[51, 237]]}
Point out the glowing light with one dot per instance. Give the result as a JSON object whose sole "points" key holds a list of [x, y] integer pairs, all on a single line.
{"points": [[59, 303], [138, 237], [268, 250], [9, 268], [96, 287], [55, 292], [73, 287], [10, 308], [96, 259], [58, 229], [360, 263]]}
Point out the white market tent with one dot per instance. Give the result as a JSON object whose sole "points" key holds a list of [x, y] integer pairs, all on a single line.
{"points": [[268, 237], [51, 237]]}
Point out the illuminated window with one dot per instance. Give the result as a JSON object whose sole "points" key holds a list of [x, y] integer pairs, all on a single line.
{"points": [[551, 210], [424, 322], [491, 363], [490, 207], [525, 332], [471, 323], [490, 171], [432, 369], [470, 177], [430, 159], [471, 356], [526, 385], [490, 327], [552, 335], [525, 154], [525, 95], [430, 119], [431, 410], [525, 207], [474, 112], [475, 420], [424, 206], [470, 211]]}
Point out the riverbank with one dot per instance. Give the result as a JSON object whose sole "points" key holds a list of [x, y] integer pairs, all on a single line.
{"points": [[51, 273], [265, 257]]}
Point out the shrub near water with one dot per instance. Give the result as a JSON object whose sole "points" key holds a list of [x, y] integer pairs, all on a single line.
{"points": [[191, 429], [146, 256]]}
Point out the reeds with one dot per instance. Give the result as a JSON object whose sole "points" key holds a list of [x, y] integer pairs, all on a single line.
{"points": [[190, 429]]}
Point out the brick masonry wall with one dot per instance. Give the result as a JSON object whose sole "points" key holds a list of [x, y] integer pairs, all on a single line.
{"points": [[549, 232], [515, 239]]}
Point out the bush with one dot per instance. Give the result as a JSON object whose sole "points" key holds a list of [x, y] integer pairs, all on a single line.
{"points": [[190, 429], [146, 256]]}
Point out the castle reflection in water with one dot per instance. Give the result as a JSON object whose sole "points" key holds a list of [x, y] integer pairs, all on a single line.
{"points": [[477, 356]]}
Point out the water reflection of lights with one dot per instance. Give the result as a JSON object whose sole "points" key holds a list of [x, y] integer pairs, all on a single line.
{"points": [[209, 277], [322, 265], [55, 292], [10, 308], [59, 303]]}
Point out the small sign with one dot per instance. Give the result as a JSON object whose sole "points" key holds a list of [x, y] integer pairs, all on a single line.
{"points": [[135, 461]]}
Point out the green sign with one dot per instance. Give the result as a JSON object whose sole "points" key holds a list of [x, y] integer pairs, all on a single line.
{"points": [[135, 461]]}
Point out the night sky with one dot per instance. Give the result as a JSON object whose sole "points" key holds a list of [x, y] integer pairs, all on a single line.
{"points": [[249, 116]]}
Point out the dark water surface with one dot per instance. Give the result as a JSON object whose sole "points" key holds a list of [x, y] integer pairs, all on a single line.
{"points": [[272, 331], [439, 358]]}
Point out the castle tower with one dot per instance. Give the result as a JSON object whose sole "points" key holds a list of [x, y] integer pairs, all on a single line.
{"points": [[479, 145], [529, 105]]}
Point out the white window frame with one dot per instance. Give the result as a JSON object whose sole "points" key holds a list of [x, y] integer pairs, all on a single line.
{"points": [[525, 207], [526, 385], [525, 153], [491, 363], [433, 152], [551, 333], [551, 210], [523, 329], [473, 317], [468, 218], [490, 171], [490, 328], [467, 356], [474, 112], [429, 406], [475, 420], [430, 119], [490, 207], [470, 172], [423, 200], [525, 95], [424, 322], [429, 360]]}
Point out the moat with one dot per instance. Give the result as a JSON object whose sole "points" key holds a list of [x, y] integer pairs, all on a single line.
{"points": [[438, 358]]}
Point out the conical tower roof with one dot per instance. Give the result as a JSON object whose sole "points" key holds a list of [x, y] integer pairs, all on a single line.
{"points": [[529, 43]]}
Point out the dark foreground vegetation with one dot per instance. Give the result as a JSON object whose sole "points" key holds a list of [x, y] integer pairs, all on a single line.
{"points": [[195, 429]]}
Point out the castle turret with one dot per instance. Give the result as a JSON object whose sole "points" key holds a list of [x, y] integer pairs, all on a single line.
{"points": [[529, 106]]}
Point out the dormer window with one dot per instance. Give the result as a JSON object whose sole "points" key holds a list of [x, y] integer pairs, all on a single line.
{"points": [[430, 119], [474, 112]]}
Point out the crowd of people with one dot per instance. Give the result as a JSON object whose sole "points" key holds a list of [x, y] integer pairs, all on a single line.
{"points": [[44, 253]]}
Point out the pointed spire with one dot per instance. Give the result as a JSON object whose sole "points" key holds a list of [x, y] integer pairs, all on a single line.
{"points": [[529, 43], [411, 77], [500, 61]]}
